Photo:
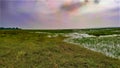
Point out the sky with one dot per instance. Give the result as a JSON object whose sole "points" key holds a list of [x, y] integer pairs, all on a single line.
{"points": [[59, 14]]}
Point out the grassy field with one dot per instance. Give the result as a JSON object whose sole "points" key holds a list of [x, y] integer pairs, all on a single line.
{"points": [[28, 49]]}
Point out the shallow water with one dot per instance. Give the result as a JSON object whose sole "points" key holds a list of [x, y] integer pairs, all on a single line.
{"points": [[108, 45]]}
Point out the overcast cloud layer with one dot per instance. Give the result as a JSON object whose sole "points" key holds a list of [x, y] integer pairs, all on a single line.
{"points": [[59, 14]]}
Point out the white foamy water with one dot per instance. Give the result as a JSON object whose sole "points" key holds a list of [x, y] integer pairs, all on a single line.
{"points": [[108, 45]]}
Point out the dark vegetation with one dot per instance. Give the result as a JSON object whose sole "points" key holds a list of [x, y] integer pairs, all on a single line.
{"points": [[9, 28], [92, 31]]}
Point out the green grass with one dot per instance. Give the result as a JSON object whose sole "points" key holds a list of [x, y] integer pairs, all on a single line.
{"points": [[22, 49]]}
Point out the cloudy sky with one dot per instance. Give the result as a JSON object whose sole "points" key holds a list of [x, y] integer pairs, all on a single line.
{"points": [[59, 14]]}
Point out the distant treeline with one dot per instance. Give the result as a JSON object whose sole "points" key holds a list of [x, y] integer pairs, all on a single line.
{"points": [[9, 28]]}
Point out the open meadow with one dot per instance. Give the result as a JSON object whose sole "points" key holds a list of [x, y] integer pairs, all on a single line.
{"points": [[85, 48]]}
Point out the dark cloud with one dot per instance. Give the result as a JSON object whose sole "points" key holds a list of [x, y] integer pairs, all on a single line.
{"points": [[97, 1], [3, 4], [3, 7], [11, 12], [70, 7]]}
